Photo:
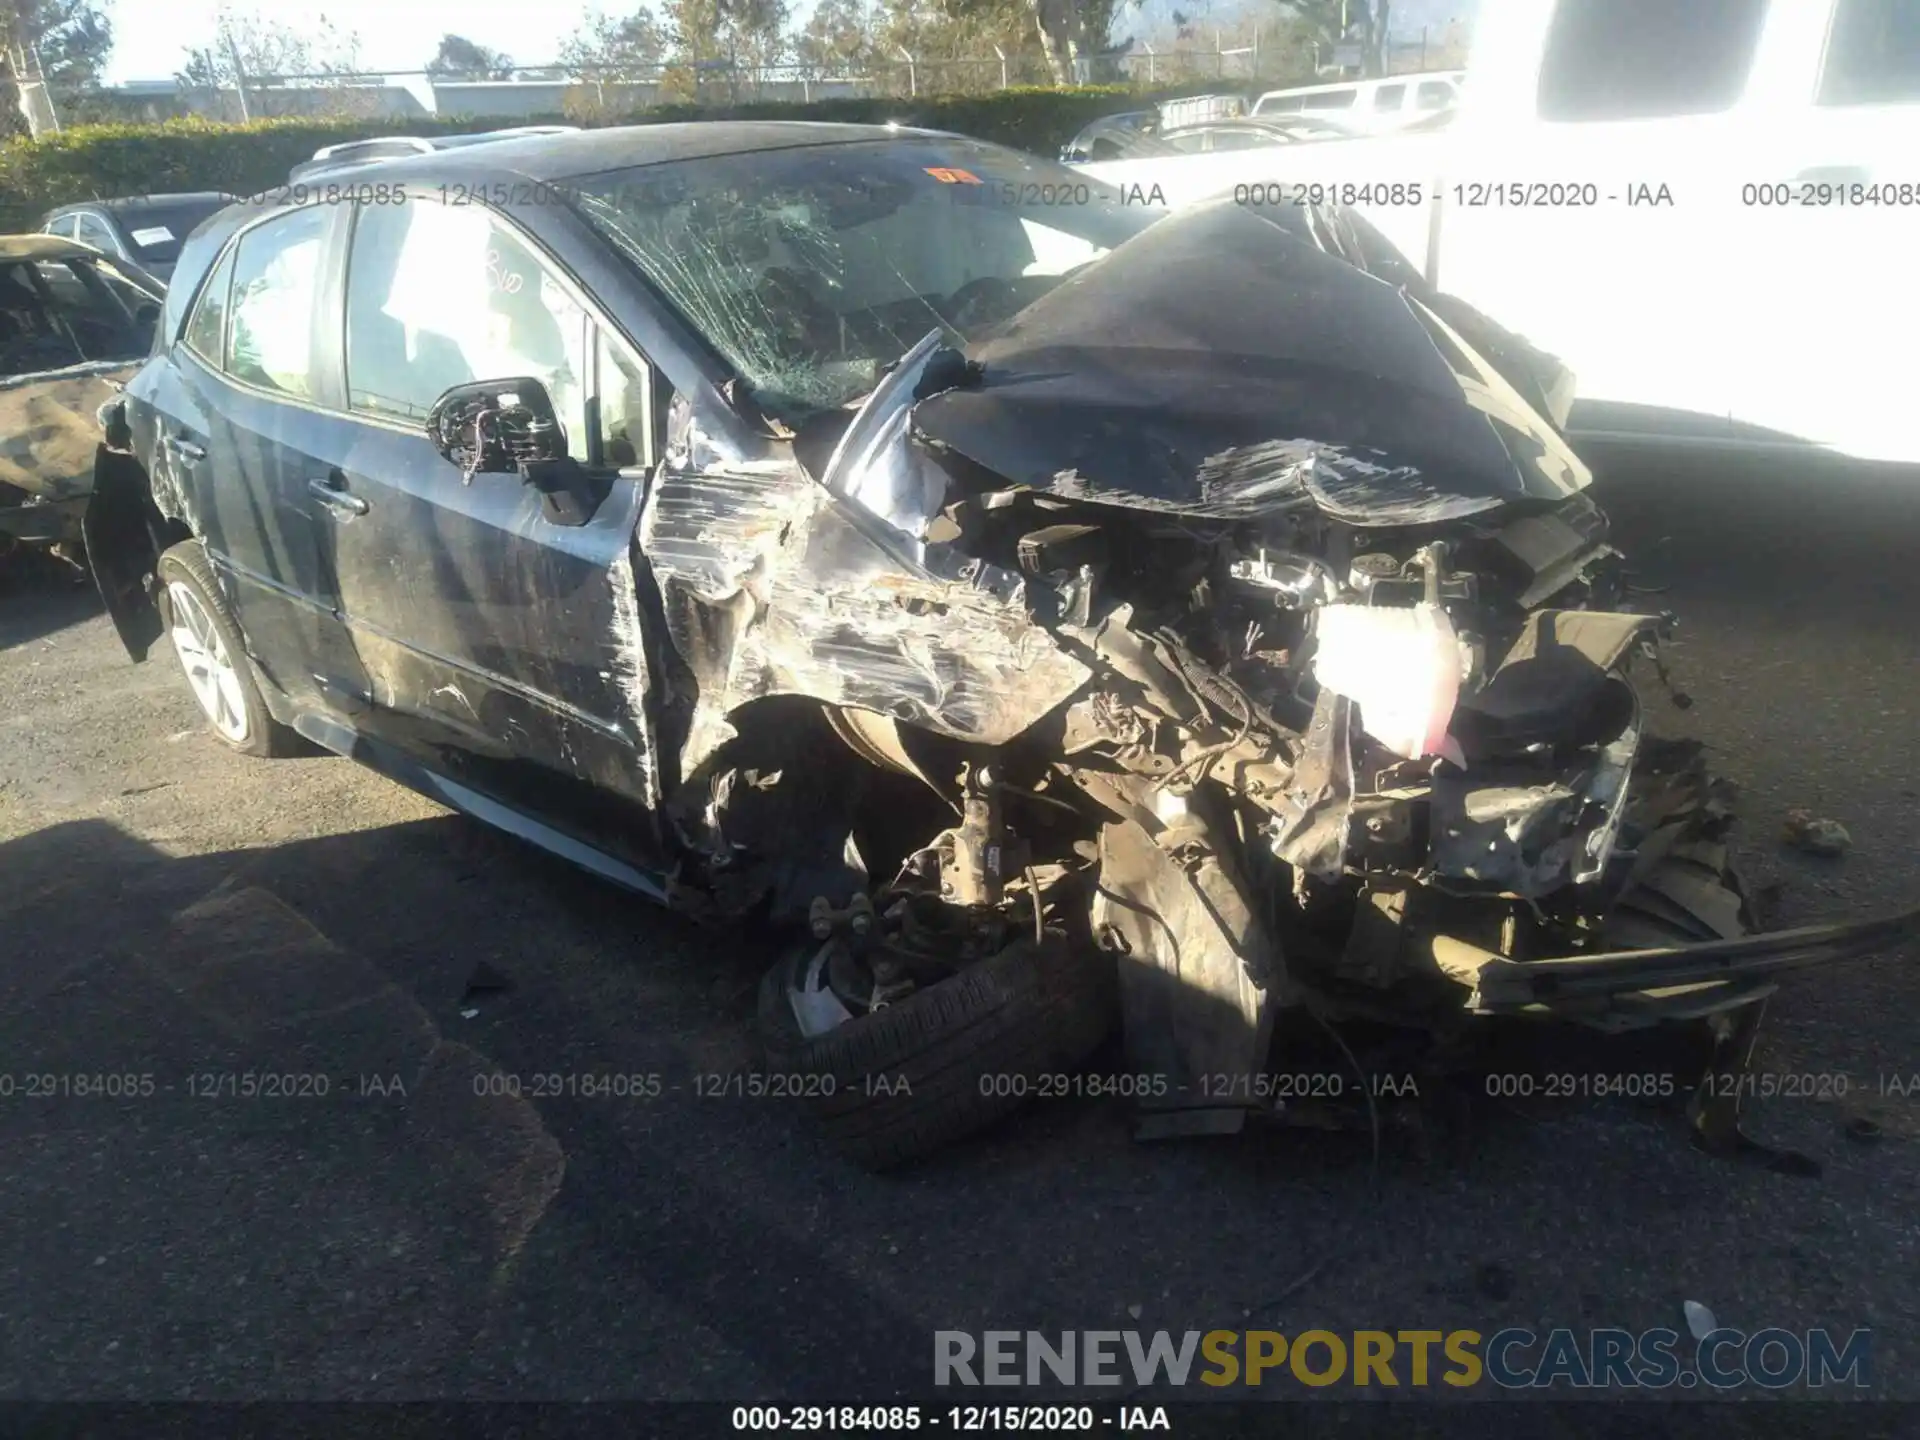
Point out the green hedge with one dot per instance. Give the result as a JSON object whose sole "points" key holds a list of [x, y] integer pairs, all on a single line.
{"points": [[95, 161]]}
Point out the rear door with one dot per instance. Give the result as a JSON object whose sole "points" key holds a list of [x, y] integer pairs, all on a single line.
{"points": [[237, 411], [495, 643]]}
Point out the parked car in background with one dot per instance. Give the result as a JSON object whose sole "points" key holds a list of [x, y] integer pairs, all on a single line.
{"points": [[1251, 133], [1112, 137], [400, 147], [1369, 107], [1709, 211], [1199, 109], [73, 324], [146, 230], [1036, 606]]}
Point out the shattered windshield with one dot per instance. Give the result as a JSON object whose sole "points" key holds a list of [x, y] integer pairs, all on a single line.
{"points": [[813, 269]]}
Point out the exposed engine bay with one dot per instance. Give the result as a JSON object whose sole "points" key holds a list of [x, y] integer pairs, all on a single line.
{"points": [[1229, 719]]}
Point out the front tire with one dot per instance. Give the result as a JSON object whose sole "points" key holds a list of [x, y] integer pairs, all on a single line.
{"points": [[895, 1084], [213, 656]]}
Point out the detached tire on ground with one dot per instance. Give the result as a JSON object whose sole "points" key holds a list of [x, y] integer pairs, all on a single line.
{"points": [[947, 1060], [212, 652]]}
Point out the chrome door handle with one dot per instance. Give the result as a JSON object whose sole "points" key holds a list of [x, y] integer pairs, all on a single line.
{"points": [[331, 491], [182, 449]]}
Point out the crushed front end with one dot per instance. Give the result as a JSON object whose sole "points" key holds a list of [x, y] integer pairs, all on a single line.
{"points": [[1239, 617]]}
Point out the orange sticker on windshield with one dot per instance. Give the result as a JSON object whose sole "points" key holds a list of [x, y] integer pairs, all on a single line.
{"points": [[948, 176]]}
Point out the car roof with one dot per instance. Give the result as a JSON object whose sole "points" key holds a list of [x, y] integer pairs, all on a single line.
{"points": [[135, 204], [621, 147], [44, 247]]}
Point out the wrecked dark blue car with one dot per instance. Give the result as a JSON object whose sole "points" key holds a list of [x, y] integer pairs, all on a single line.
{"points": [[1051, 606]]}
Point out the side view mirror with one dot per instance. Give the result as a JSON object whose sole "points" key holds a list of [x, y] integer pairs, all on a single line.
{"points": [[508, 427], [497, 427]]}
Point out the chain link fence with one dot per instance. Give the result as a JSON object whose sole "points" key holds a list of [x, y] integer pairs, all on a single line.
{"points": [[1248, 62]]}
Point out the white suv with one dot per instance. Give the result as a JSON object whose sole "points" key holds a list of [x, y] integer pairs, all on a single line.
{"points": [[1369, 106]]}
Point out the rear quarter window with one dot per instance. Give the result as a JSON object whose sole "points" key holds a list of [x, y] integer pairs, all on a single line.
{"points": [[1643, 59], [1873, 54]]}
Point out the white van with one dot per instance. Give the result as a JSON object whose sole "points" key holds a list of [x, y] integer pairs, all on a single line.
{"points": [[1369, 106], [1709, 211]]}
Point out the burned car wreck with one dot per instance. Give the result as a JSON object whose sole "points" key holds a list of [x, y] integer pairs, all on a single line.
{"points": [[73, 325], [1171, 620]]}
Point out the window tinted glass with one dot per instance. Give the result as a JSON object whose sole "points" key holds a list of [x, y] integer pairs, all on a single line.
{"points": [[158, 230], [276, 283], [1433, 95], [64, 225], [1389, 97], [207, 327], [1873, 54], [62, 312], [441, 295], [1636, 59], [1330, 100], [93, 231]]}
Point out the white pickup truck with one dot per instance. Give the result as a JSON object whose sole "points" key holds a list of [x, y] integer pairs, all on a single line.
{"points": [[1709, 210]]}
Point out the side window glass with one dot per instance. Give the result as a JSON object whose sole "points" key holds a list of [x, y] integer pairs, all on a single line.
{"points": [[1873, 54], [276, 285], [441, 295], [96, 232], [1390, 97], [626, 407], [64, 226], [206, 330], [1433, 95], [1641, 59]]}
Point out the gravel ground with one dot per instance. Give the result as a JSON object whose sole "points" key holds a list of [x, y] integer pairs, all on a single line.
{"points": [[173, 911]]}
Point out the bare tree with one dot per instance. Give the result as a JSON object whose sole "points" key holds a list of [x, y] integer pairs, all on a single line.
{"points": [[267, 49], [63, 42]]}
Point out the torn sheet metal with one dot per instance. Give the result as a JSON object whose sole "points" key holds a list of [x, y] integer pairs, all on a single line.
{"points": [[628, 661], [1310, 829], [771, 586]]}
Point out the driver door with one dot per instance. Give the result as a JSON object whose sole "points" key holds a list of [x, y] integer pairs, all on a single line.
{"points": [[496, 643]]}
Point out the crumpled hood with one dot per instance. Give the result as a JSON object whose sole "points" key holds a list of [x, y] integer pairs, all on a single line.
{"points": [[1226, 362]]}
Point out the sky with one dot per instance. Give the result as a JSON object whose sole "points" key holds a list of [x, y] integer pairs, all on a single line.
{"points": [[152, 38]]}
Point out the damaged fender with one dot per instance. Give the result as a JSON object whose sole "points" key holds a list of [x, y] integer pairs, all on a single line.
{"points": [[773, 585]]}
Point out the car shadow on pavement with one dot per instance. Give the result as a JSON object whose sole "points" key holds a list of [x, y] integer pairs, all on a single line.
{"points": [[254, 1161], [40, 597]]}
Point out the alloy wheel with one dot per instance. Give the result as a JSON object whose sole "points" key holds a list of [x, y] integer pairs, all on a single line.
{"points": [[210, 669]]}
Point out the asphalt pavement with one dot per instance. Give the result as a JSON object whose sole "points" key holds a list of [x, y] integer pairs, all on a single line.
{"points": [[257, 1142]]}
